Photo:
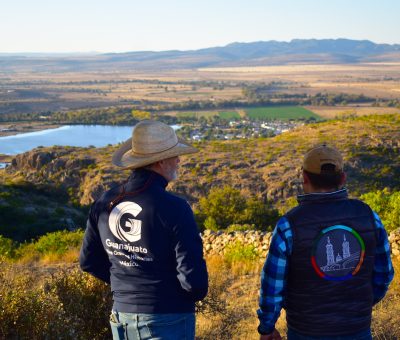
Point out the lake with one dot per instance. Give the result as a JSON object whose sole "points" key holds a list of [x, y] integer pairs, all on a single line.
{"points": [[72, 135]]}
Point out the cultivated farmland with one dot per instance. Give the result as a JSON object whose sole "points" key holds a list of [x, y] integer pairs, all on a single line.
{"points": [[197, 114], [265, 112], [281, 112], [229, 115]]}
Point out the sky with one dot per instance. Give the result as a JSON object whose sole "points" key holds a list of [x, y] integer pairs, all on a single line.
{"points": [[64, 26]]}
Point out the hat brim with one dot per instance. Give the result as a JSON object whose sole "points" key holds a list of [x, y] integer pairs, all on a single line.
{"points": [[125, 158]]}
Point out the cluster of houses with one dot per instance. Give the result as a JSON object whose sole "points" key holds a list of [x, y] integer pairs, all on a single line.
{"points": [[240, 129]]}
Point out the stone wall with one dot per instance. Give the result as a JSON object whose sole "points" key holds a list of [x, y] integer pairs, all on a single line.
{"points": [[394, 239], [215, 243]]}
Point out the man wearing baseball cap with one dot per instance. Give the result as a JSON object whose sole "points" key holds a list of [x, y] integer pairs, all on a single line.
{"points": [[328, 262], [144, 241]]}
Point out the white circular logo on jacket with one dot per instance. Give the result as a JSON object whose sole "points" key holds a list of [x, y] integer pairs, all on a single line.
{"points": [[123, 224]]}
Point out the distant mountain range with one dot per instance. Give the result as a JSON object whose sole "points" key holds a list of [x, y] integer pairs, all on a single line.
{"points": [[297, 51]]}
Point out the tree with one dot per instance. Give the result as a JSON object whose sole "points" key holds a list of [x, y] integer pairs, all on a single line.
{"points": [[140, 115], [227, 206], [222, 206]]}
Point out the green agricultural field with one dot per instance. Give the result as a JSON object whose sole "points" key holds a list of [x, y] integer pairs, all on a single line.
{"points": [[281, 112], [229, 115], [197, 114]]}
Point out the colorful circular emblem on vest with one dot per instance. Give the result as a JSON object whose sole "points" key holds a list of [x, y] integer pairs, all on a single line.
{"points": [[338, 253], [123, 224]]}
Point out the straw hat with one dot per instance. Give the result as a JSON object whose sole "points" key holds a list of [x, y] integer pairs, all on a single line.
{"points": [[151, 142]]}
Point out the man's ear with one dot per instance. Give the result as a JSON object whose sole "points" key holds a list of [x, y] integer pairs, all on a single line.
{"points": [[161, 163], [156, 166]]}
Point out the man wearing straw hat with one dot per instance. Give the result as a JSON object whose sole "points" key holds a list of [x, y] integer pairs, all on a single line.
{"points": [[144, 241]]}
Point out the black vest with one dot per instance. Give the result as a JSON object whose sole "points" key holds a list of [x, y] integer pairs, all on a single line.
{"points": [[329, 288]]}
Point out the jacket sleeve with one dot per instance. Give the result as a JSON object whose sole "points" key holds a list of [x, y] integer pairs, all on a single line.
{"points": [[93, 259], [274, 277], [383, 269], [191, 267]]}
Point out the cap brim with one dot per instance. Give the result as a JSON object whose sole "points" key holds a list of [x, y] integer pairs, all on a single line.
{"points": [[125, 158]]}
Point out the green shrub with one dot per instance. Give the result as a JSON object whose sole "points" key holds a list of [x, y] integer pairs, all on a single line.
{"points": [[239, 252], [260, 214], [387, 205], [211, 224], [289, 203], [68, 305], [7, 247], [240, 227], [58, 243], [225, 206]]}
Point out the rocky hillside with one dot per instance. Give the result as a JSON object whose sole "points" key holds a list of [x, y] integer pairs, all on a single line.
{"points": [[269, 168]]}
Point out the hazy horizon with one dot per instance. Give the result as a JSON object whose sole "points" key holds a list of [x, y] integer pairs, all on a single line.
{"points": [[90, 53]]}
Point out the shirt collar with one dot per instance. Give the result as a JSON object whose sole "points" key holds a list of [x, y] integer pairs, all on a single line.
{"points": [[323, 196]]}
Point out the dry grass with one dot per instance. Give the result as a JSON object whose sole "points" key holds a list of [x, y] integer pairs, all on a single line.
{"points": [[239, 295], [370, 79], [228, 312], [235, 320], [71, 256], [386, 314], [238, 292]]}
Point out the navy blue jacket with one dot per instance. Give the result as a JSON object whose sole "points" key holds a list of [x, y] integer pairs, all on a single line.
{"points": [[144, 241], [334, 295]]}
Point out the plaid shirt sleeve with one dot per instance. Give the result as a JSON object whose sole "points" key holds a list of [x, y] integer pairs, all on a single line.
{"points": [[383, 269], [273, 276]]}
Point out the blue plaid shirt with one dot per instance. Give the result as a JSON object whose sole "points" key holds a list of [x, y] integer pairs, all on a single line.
{"points": [[273, 276]]}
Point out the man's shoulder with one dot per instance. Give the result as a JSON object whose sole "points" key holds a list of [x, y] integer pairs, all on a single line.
{"points": [[175, 199], [171, 207], [292, 212], [359, 202]]}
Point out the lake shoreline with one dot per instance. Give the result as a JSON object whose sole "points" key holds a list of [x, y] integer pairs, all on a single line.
{"points": [[64, 135], [16, 128], [80, 135]]}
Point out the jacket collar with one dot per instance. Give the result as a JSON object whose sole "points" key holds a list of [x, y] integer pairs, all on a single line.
{"points": [[322, 196], [140, 177]]}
